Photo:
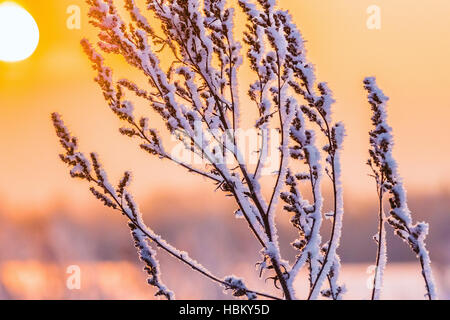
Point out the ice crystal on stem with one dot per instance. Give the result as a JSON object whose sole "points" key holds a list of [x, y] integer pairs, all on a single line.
{"points": [[388, 181]]}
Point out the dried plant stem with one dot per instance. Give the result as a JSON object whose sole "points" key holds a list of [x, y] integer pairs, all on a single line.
{"points": [[167, 248], [327, 261], [381, 249], [173, 251], [386, 173], [427, 274], [337, 221]]}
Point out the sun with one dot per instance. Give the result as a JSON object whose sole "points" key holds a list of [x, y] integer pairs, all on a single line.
{"points": [[19, 33]]}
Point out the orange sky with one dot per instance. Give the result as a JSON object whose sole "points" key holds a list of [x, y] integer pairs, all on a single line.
{"points": [[409, 56]]}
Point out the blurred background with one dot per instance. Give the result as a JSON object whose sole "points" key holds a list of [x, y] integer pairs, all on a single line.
{"points": [[49, 221]]}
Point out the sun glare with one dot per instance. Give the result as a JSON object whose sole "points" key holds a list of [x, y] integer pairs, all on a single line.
{"points": [[19, 33]]}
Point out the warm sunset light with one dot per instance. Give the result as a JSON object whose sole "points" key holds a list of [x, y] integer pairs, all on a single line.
{"points": [[225, 150], [19, 33]]}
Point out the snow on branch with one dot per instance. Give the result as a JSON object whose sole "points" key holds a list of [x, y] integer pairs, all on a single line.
{"points": [[385, 171]]}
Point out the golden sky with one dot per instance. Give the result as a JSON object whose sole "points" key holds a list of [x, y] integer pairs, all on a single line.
{"points": [[409, 56]]}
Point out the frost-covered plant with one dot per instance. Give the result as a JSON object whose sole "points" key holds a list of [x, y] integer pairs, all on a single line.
{"points": [[196, 95], [120, 199], [385, 172]]}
